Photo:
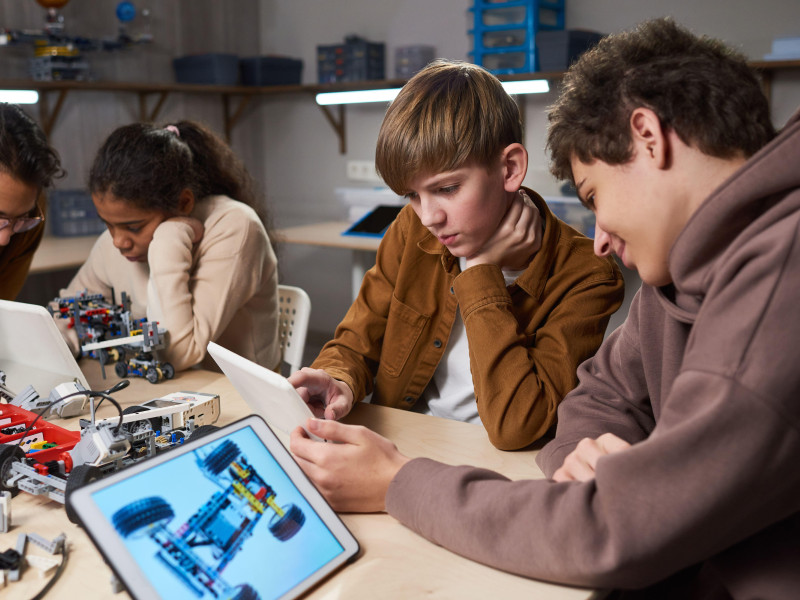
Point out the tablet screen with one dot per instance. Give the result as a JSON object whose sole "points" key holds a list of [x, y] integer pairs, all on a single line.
{"points": [[376, 222], [222, 520]]}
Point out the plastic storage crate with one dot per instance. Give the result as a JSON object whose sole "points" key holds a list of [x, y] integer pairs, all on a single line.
{"points": [[559, 49], [409, 60], [271, 70], [215, 69], [355, 60], [71, 213], [504, 32]]}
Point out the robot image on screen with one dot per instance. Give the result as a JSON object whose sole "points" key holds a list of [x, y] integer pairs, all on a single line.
{"points": [[235, 524]]}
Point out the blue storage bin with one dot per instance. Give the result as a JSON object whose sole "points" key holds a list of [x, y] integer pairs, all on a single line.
{"points": [[71, 213], [214, 69], [271, 70]]}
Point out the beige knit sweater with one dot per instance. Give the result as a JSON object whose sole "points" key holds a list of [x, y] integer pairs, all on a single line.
{"points": [[223, 289]]}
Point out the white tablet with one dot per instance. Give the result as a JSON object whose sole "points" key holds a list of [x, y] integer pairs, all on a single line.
{"points": [[228, 515], [266, 392], [33, 351]]}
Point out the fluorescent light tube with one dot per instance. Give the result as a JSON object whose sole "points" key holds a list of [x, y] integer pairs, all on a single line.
{"points": [[533, 86], [356, 97], [19, 96]]}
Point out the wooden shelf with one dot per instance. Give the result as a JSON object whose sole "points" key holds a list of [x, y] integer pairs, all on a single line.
{"points": [[236, 98]]}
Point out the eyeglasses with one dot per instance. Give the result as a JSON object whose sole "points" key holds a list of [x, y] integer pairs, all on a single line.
{"points": [[20, 224]]}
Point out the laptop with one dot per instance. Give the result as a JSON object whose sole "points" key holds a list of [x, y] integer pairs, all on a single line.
{"points": [[33, 351], [227, 515], [266, 392]]}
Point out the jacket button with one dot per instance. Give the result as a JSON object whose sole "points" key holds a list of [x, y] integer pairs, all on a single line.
{"points": [[437, 343], [408, 400], [452, 291]]}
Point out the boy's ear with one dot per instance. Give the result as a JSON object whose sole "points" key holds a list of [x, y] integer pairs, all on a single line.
{"points": [[649, 137], [186, 202], [514, 161]]}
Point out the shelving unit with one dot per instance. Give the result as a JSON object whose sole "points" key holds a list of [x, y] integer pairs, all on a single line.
{"points": [[235, 99]]}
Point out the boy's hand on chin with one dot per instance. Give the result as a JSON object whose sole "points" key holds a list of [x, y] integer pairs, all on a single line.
{"points": [[517, 238]]}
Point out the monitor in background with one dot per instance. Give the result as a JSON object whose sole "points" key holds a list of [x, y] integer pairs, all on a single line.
{"points": [[375, 222]]}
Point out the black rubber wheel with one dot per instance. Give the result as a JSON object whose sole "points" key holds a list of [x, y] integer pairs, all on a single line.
{"points": [[290, 523], [221, 457], [245, 592], [9, 454], [139, 514], [78, 477], [121, 369], [155, 422], [151, 374], [203, 430], [168, 370]]}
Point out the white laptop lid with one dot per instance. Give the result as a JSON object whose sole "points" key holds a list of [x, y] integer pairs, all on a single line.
{"points": [[267, 393], [33, 351]]}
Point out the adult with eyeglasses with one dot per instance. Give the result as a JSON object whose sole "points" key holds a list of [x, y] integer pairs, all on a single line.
{"points": [[28, 165]]}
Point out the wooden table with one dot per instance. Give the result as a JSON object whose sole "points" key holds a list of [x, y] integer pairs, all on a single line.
{"points": [[395, 562], [329, 235]]}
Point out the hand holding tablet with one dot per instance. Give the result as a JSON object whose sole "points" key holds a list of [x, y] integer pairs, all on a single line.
{"points": [[327, 397]]}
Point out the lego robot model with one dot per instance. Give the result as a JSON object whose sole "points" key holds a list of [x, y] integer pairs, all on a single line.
{"points": [[200, 549], [107, 332]]}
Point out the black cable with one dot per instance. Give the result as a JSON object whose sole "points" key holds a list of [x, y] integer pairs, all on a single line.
{"points": [[57, 574], [92, 394]]}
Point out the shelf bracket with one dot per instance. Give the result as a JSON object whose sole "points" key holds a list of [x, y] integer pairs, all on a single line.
{"points": [[232, 118], [150, 116], [338, 125], [47, 116]]}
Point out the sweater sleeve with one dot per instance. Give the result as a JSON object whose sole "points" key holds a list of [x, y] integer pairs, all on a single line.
{"points": [[194, 292], [668, 502], [519, 385]]}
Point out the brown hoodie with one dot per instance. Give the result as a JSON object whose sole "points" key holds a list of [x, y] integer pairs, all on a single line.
{"points": [[704, 379]]}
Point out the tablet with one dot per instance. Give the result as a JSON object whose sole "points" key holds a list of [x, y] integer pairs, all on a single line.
{"points": [[33, 351], [228, 515], [266, 392], [375, 222]]}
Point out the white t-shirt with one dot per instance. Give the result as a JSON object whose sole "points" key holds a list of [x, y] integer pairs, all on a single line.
{"points": [[451, 393]]}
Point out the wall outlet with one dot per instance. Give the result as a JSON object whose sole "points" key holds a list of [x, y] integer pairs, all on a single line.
{"points": [[362, 170]]}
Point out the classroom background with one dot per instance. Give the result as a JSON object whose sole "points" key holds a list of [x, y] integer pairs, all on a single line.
{"points": [[285, 139]]}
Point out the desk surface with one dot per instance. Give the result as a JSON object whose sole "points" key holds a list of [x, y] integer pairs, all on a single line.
{"points": [[395, 562], [328, 234]]}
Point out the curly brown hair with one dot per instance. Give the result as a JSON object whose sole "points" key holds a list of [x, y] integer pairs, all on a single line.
{"points": [[698, 87]]}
